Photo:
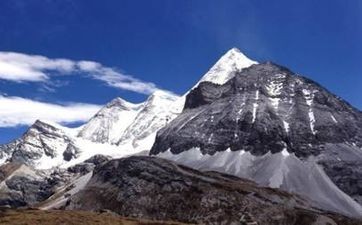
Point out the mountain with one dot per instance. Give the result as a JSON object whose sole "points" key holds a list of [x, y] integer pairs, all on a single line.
{"points": [[135, 125], [132, 126], [258, 121], [120, 128], [158, 189], [275, 127], [108, 125], [46, 145], [41, 142], [159, 109], [226, 67]]}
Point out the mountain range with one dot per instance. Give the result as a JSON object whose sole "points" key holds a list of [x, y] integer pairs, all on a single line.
{"points": [[298, 145]]}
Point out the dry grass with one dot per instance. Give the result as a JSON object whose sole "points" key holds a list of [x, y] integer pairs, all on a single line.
{"points": [[59, 217]]}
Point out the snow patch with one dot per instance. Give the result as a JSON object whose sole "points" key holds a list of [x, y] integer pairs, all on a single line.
{"points": [[308, 95], [275, 103], [333, 118], [285, 152], [255, 105], [286, 126], [274, 87], [209, 140]]}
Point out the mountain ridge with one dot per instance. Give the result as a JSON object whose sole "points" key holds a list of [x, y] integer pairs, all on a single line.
{"points": [[270, 125], [259, 121]]}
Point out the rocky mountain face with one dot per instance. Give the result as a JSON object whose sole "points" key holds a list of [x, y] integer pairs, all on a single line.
{"points": [[42, 142], [263, 108], [154, 188], [21, 185], [269, 118]]}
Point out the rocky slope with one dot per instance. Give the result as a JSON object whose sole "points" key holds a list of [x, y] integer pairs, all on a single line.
{"points": [[273, 126], [154, 188], [21, 185]]}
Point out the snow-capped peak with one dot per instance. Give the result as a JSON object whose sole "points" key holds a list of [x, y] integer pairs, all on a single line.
{"points": [[110, 122], [121, 103], [224, 69], [46, 125], [162, 96]]}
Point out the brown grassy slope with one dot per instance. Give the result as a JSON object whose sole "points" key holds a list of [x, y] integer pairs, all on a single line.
{"points": [[59, 217]]}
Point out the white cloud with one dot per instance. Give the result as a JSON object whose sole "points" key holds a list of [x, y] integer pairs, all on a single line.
{"points": [[116, 79], [20, 67], [15, 111]]}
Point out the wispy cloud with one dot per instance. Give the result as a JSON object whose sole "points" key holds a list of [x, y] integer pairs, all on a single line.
{"points": [[15, 111], [20, 67], [116, 79]]}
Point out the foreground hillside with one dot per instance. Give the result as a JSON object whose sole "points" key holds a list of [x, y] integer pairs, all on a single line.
{"points": [[158, 189], [59, 217], [149, 188]]}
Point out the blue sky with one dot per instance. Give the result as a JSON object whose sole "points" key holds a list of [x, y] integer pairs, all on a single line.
{"points": [[170, 44]]}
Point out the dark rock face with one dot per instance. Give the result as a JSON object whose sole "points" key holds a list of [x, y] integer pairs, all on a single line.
{"points": [[98, 159], [263, 108], [30, 191], [71, 152], [89, 165], [154, 188], [266, 109], [21, 185]]}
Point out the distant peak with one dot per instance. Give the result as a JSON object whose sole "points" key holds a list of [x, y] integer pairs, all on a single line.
{"points": [[234, 50], [237, 56], [224, 69], [120, 102], [45, 126], [41, 123], [162, 95]]}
